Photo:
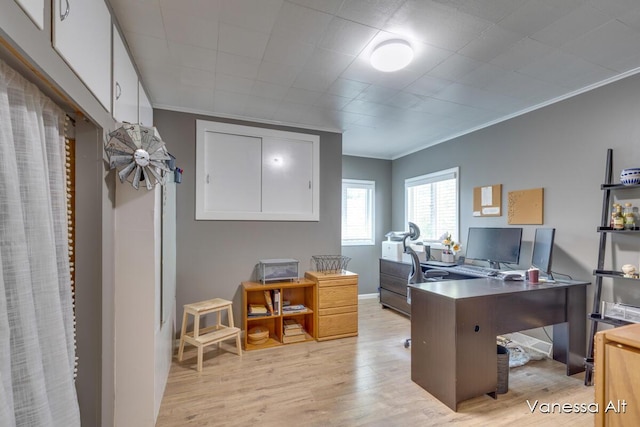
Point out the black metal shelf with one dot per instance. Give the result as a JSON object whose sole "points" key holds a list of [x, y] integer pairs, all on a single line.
{"points": [[618, 186], [613, 230], [614, 274], [596, 317]]}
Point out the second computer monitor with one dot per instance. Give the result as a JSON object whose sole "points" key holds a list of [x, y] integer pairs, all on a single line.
{"points": [[494, 245], [541, 255]]}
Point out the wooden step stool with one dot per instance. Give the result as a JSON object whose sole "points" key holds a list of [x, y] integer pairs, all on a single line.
{"points": [[211, 334]]}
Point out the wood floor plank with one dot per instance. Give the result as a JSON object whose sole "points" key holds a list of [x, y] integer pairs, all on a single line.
{"points": [[358, 381]]}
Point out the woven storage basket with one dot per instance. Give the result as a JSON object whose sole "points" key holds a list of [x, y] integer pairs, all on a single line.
{"points": [[258, 335]]}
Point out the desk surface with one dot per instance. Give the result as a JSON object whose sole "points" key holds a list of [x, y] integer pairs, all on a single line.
{"points": [[487, 286]]}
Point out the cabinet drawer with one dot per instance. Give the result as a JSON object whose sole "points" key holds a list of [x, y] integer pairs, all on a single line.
{"points": [[395, 301], [337, 324], [397, 269], [338, 310], [337, 296], [347, 281], [394, 284]]}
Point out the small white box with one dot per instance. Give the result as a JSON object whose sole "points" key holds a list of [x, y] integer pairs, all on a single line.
{"points": [[392, 251]]}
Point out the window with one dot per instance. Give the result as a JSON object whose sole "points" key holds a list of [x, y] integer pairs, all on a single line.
{"points": [[431, 202], [358, 212]]}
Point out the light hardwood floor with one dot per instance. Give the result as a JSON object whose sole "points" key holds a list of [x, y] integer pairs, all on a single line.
{"points": [[361, 381]]}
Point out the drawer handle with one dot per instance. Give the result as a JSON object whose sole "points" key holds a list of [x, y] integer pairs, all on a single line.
{"points": [[118, 91], [64, 15]]}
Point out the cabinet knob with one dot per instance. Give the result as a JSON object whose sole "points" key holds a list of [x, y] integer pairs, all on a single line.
{"points": [[64, 15]]}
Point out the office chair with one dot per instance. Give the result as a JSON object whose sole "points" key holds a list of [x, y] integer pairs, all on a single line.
{"points": [[416, 275]]}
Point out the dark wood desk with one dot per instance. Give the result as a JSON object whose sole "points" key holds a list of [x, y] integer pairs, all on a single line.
{"points": [[454, 325]]}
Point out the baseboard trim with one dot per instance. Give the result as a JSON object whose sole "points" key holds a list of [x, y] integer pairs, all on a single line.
{"points": [[368, 296]]}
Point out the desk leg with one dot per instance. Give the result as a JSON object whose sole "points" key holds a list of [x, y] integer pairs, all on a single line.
{"points": [[569, 338]]}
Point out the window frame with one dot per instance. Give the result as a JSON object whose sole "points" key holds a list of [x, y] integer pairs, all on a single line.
{"points": [[370, 186], [430, 178]]}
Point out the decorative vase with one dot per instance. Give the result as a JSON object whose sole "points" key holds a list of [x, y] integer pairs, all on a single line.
{"points": [[447, 257]]}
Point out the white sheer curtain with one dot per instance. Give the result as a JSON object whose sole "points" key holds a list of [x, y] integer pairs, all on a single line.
{"points": [[36, 318]]}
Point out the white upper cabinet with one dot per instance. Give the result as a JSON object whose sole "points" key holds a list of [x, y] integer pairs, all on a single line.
{"points": [[125, 83], [145, 110], [251, 173], [35, 10], [82, 36]]}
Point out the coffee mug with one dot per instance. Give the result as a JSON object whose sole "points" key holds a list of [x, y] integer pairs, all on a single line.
{"points": [[533, 274]]}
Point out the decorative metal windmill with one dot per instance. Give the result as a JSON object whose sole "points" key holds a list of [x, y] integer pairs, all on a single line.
{"points": [[139, 155]]}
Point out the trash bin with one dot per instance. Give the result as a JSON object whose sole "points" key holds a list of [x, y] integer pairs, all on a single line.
{"points": [[503, 369]]}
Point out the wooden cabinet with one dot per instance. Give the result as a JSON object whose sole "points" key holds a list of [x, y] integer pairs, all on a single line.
{"points": [[337, 313], [393, 285], [125, 83], [617, 376], [252, 173], [298, 292], [82, 37]]}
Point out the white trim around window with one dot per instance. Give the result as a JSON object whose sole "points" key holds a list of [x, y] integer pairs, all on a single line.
{"points": [[432, 202], [358, 212]]}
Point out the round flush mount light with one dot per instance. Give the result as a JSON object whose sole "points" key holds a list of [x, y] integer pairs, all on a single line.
{"points": [[391, 55]]}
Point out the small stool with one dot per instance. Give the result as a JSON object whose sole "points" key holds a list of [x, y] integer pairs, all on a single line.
{"points": [[211, 334]]}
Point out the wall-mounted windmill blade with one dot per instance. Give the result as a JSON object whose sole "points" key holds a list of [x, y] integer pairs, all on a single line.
{"points": [[139, 155]]}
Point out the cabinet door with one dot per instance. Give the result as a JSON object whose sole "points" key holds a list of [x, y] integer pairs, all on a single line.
{"points": [[35, 10], [125, 83], [145, 110], [82, 37], [287, 167]]}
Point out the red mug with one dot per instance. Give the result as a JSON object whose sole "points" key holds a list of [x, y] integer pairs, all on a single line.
{"points": [[533, 274]]}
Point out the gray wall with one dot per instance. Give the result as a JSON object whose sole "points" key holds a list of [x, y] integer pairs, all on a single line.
{"points": [[364, 259], [561, 148], [214, 257]]}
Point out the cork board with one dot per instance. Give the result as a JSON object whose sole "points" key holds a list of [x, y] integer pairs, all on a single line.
{"points": [[487, 200], [525, 206]]}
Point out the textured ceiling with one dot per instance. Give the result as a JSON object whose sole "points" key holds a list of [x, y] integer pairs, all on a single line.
{"points": [[305, 62]]}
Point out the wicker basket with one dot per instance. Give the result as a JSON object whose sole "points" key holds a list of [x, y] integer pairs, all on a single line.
{"points": [[258, 335], [331, 263]]}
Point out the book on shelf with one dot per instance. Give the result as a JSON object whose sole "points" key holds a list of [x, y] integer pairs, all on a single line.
{"points": [[294, 331], [257, 310], [268, 300], [291, 323], [291, 327], [276, 301], [293, 338], [298, 308]]}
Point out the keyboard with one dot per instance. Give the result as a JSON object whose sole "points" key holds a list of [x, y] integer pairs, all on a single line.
{"points": [[474, 270], [477, 271]]}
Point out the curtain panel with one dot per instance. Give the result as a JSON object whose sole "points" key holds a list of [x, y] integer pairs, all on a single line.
{"points": [[37, 353]]}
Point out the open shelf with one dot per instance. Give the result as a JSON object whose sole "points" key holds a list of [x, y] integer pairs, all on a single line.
{"points": [[608, 320], [613, 230], [611, 273], [618, 186], [297, 292]]}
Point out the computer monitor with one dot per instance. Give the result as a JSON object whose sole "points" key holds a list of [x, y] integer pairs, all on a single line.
{"points": [[543, 250], [494, 245]]}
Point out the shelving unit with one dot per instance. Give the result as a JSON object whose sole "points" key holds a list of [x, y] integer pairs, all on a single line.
{"points": [[301, 291], [604, 229]]}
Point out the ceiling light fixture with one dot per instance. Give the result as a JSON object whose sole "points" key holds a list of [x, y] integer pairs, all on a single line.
{"points": [[391, 55]]}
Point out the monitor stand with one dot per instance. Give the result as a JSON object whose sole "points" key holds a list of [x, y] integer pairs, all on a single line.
{"points": [[494, 264]]}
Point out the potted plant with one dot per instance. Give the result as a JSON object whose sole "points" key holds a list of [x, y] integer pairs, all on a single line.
{"points": [[450, 248]]}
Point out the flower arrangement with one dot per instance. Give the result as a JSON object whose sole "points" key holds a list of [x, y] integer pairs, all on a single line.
{"points": [[450, 247]]}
